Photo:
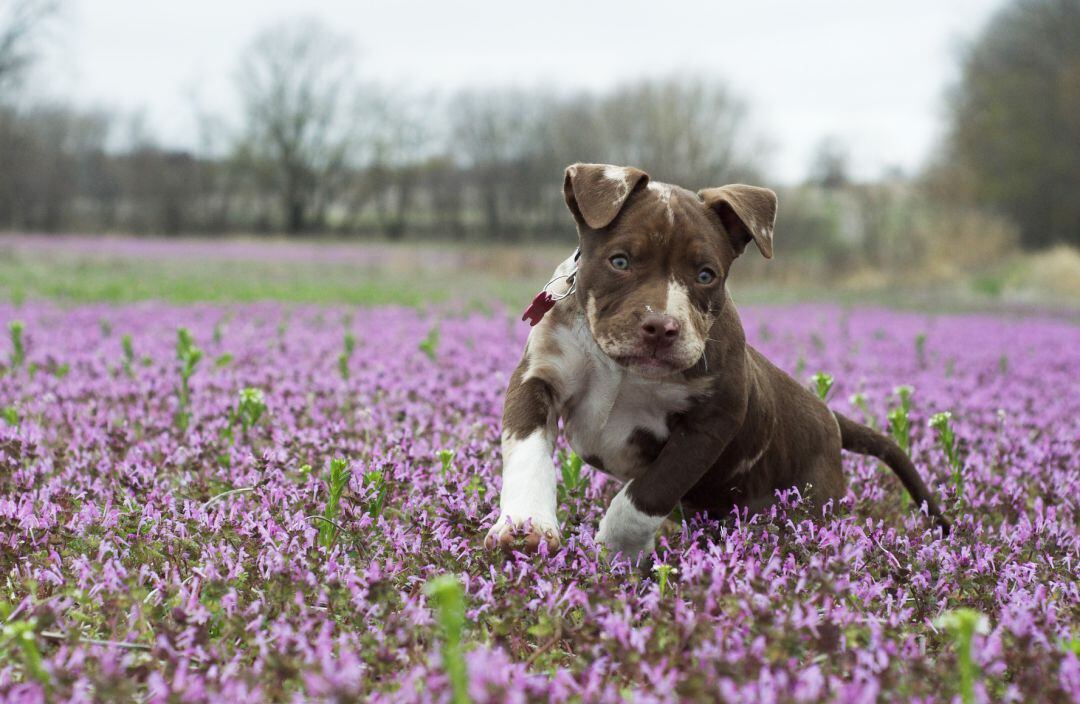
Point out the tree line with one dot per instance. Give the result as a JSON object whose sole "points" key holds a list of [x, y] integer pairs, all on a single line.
{"points": [[317, 151]]}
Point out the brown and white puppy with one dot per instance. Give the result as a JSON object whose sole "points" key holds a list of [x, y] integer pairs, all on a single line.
{"points": [[647, 366]]}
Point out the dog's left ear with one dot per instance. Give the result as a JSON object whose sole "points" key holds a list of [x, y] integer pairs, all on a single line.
{"points": [[747, 213], [595, 193]]}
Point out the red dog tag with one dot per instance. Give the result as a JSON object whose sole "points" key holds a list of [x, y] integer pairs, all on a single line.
{"points": [[538, 308]]}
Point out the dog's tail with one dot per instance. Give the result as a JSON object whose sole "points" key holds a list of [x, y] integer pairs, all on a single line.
{"points": [[856, 437]]}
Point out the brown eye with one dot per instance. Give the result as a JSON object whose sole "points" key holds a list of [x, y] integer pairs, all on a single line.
{"points": [[706, 276], [620, 262]]}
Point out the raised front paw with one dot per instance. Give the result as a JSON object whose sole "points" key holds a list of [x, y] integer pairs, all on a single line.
{"points": [[530, 530]]}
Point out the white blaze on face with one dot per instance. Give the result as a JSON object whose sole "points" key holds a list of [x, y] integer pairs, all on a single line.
{"points": [[691, 343], [678, 302]]}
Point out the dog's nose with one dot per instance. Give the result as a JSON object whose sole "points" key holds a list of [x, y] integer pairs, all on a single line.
{"points": [[662, 329]]}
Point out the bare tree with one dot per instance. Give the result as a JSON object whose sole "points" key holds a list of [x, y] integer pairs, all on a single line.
{"points": [[688, 131], [446, 190], [20, 23], [51, 151], [829, 164], [294, 80], [217, 179], [397, 140], [493, 135]]}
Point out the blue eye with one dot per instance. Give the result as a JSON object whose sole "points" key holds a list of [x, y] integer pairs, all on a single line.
{"points": [[706, 276], [620, 262]]}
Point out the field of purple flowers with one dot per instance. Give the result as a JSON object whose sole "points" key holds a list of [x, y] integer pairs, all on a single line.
{"points": [[247, 503]]}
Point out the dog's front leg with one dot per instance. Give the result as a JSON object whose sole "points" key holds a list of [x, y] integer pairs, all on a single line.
{"points": [[630, 524], [528, 497]]}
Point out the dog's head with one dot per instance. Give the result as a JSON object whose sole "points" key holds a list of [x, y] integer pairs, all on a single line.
{"points": [[654, 259]]}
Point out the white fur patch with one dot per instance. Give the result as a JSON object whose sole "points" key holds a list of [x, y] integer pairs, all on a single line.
{"points": [[562, 369], [627, 530], [590, 309], [528, 490], [616, 173], [663, 191], [678, 301], [614, 404], [607, 404], [565, 268], [621, 176], [690, 344], [748, 464], [602, 403]]}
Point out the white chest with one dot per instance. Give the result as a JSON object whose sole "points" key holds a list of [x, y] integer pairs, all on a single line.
{"points": [[605, 409]]}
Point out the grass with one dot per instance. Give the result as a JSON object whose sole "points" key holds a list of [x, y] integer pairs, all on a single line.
{"points": [[410, 275], [76, 270], [117, 280]]}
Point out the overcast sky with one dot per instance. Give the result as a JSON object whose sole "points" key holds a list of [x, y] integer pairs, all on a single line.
{"points": [[872, 73]]}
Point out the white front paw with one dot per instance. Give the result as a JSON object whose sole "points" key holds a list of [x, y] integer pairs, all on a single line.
{"points": [[624, 529], [533, 529], [616, 540]]}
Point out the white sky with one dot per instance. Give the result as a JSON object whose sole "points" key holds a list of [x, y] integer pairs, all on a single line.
{"points": [[872, 73]]}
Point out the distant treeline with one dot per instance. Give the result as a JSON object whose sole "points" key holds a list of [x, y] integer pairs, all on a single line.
{"points": [[315, 151], [484, 164]]}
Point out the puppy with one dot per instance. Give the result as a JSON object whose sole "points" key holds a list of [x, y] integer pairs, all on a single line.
{"points": [[643, 357]]}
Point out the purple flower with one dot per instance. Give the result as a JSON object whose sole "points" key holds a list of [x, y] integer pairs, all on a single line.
{"points": [[159, 563]]}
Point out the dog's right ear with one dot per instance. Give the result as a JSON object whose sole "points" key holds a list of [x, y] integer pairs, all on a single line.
{"points": [[595, 193]]}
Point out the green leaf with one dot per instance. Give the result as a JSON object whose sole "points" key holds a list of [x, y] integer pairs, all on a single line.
{"points": [[448, 597], [446, 457], [339, 479], [823, 384], [22, 635], [10, 415], [963, 624], [18, 350], [430, 344]]}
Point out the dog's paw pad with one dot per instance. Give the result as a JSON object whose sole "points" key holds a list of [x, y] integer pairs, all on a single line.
{"points": [[529, 532]]}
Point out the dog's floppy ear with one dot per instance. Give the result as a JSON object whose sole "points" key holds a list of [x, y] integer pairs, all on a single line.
{"points": [[595, 193], [747, 212]]}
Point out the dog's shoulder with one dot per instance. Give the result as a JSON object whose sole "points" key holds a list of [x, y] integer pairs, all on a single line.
{"points": [[560, 348]]}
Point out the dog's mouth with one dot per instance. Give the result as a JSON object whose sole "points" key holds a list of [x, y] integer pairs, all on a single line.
{"points": [[651, 365]]}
